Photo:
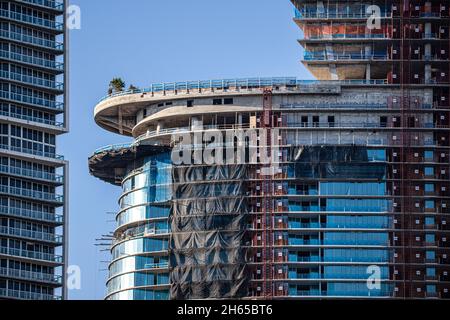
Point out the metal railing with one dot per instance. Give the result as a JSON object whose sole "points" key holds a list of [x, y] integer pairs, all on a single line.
{"points": [[32, 173], [26, 295], [39, 82], [31, 118], [32, 152], [247, 83], [40, 42], [32, 60], [56, 5], [17, 97], [31, 254], [30, 275], [29, 234], [346, 36], [41, 22], [323, 56], [31, 214], [39, 195]]}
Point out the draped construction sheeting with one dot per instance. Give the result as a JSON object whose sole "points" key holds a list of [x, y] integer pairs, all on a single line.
{"points": [[328, 162], [209, 217]]}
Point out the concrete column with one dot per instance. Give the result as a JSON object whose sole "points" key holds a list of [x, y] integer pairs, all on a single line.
{"points": [[333, 72], [427, 73], [329, 52], [197, 123], [159, 126], [320, 7], [428, 28], [368, 50], [368, 72], [428, 50]]}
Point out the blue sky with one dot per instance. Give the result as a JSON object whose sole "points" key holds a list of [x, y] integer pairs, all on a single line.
{"points": [[147, 41]]}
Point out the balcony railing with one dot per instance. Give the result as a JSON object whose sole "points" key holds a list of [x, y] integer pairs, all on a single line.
{"points": [[49, 24], [337, 15], [50, 64], [32, 173], [39, 195], [39, 82], [30, 275], [26, 295], [31, 214], [17, 97], [29, 234], [31, 119], [51, 4], [31, 254], [322, 56], [346, 36], [32, 152], [40, 42]]}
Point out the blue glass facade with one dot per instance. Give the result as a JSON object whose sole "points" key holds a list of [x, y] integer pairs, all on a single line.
{"points": [[139, 268]]}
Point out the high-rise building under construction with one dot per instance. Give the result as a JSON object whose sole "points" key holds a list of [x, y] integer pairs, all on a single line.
{"points": [[353, 203]]}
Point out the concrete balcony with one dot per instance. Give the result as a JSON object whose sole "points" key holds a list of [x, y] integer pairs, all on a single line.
{"points": [[32, 152], [26, 295], [34, 81], [32, 215], [31, 194], [32, 101], [35, 41], [33, 61], [31, 276], [34, 21], [48, 4], [31, 235], [33, 255]]}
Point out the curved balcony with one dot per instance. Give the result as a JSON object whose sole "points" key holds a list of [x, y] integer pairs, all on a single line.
{"points": [[31, 20], [33, 101], [32, 235], [34, 81], [26, 295], [31, 276], [113, 147], [32, 152], [38, 42], [32, 215], [49, 4], [34, 255], [32, 61], [31, 194]]}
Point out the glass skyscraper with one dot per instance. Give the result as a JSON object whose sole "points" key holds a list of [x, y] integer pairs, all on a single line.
{"points": [[33, 177]]}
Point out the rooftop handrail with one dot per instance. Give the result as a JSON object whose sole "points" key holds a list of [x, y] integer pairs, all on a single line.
{"points": [[237, 83]]}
